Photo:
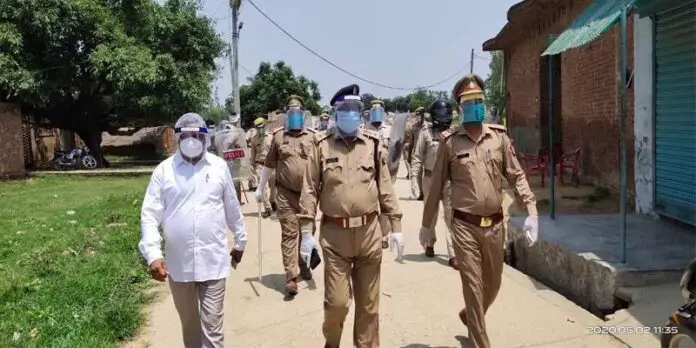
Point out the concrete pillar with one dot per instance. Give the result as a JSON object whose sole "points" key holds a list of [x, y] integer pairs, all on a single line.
{"points": [[644, 125]]}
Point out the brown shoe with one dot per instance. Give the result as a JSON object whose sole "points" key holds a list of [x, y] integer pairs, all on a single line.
{"points": [[453, 263], [291, 287], [429, 251], [462, 316]]}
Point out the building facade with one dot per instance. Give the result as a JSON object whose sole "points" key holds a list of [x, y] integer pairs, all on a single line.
{"points": [[584, 83]]}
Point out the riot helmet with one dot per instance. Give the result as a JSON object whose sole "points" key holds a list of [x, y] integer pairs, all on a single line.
{"points": [[441, 114]]}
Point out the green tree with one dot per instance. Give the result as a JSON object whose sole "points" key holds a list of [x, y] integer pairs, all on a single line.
{"points": [[269, 88], [495, 88], [93, 65]]}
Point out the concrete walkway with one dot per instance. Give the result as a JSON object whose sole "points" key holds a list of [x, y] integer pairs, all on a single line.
{"points": [[419, 304]]}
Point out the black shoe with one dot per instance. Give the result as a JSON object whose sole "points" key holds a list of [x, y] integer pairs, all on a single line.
{"points": [[266, 213], [385, 244], [252, 188], [305, 273], [429, 252], [420, 198], [274, 207]]}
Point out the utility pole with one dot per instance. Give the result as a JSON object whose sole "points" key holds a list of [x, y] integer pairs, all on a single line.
{"points": [[234, 56], [471, 69]]}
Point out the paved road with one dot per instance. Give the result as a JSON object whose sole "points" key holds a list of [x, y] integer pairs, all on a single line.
{"points": [[419, 304]]}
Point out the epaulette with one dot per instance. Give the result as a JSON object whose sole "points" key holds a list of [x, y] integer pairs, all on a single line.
{"points": [[311, 130], [371, 133], [497, 127], [278, 130], [321, 136], [447, 133]]}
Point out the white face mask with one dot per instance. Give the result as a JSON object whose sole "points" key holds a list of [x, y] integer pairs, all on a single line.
{"points": [[191, 147]]}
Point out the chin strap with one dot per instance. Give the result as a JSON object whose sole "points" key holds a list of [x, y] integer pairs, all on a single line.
{"points": [[265, 174]]}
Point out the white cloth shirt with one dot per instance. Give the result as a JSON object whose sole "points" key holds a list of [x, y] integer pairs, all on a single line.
{"points": [[194, 205]]}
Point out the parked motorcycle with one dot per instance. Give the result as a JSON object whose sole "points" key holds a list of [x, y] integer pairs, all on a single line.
{"points": [[680, 330], [76, 158]]}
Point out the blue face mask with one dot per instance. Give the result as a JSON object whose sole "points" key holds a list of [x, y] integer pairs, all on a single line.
{"points": [[473, 113], [348, 122], [295, 120]]}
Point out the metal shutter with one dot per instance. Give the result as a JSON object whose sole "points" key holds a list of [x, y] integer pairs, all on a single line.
{"points": [[675, 113]]}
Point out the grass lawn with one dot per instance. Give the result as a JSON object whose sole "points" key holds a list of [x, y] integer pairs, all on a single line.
{"points": [[70, 271]]}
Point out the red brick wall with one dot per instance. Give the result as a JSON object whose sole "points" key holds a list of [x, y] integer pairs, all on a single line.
{"points": [[11, 147], [589, 87]]}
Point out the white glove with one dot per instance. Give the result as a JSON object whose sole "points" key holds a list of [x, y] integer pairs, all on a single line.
{"points": [[259, 193], [424, 237], [307, 244], [531, 229], [415, 192], [397, 242]]}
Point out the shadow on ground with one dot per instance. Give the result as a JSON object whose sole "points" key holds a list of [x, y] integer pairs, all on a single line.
{"points": [[463, 343], [441, 259], [277, 282]]}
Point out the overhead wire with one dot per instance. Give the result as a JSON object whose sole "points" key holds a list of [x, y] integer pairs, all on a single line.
{"points": [[326, 60]]}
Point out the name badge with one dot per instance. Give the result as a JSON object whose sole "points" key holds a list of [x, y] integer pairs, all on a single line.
{"points": [[332, 160]]}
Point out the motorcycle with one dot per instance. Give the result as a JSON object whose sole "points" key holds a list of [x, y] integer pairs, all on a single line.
{"points": [[76, 158], [680, 330]]}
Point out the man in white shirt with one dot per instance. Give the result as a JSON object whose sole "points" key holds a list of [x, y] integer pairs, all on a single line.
{"points": [[191, 196]]}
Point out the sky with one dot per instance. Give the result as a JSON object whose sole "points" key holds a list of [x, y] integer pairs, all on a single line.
{"points": [[397, 43]]}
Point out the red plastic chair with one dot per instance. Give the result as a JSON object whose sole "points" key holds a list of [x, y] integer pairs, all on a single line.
{"points": [[569, 161], [534, 164]]}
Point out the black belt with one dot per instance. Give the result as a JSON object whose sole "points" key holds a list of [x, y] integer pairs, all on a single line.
{"points": [[477, 220], [286, 188]]}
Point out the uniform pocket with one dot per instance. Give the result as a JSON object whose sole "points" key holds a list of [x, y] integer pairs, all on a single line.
{"points": [[366, 170], [285, 151], [306, 149]]}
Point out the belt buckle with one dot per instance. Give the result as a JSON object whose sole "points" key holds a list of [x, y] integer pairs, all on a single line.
{"points": [[486, 222], [355, 222]]}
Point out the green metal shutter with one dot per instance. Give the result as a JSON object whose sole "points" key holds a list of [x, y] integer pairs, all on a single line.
{"points": [[675, 113]]}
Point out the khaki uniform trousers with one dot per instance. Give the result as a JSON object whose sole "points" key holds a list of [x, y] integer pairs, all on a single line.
{"points": [[352, 268], [479, 252], [252, 179], [271, 184], [447, 207], [200, 308], [288, 207]]}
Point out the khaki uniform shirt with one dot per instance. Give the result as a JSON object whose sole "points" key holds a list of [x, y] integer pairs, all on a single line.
{"points": [[425, 151], [342, 177], [383, 132], [260, 144], [288, 156], [476, 170], [411, 132]]}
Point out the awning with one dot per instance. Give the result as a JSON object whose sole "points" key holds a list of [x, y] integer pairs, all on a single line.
{"points": [[591, 24]]}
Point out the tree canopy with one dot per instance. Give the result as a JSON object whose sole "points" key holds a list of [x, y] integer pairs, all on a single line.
{"points": [[411, 101], [269, 89], [93, 65], [495, 89]]}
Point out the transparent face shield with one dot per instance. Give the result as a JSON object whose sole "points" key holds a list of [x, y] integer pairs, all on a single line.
{"points": [[192, 141], [347, 115], [295, 118], [377, 114]]}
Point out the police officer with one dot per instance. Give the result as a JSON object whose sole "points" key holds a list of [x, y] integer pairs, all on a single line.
{"points": [[423, 161], [348, 177], [250, 133], [260, 144], [413, 127], [226, 139], [324, 120], [290, 148], [474, 158], [375, 122]]}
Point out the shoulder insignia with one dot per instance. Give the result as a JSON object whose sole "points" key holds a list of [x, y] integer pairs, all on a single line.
{"points": [[497, 127], [321, 136], [446, 134], [311, 130], [371, 134], [278, 130]]}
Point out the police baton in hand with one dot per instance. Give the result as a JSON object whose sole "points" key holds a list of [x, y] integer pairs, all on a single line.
{"points": [[260, 260]]}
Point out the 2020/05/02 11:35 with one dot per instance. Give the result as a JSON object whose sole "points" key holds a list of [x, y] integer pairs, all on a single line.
{"points": [[598, 330]]}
